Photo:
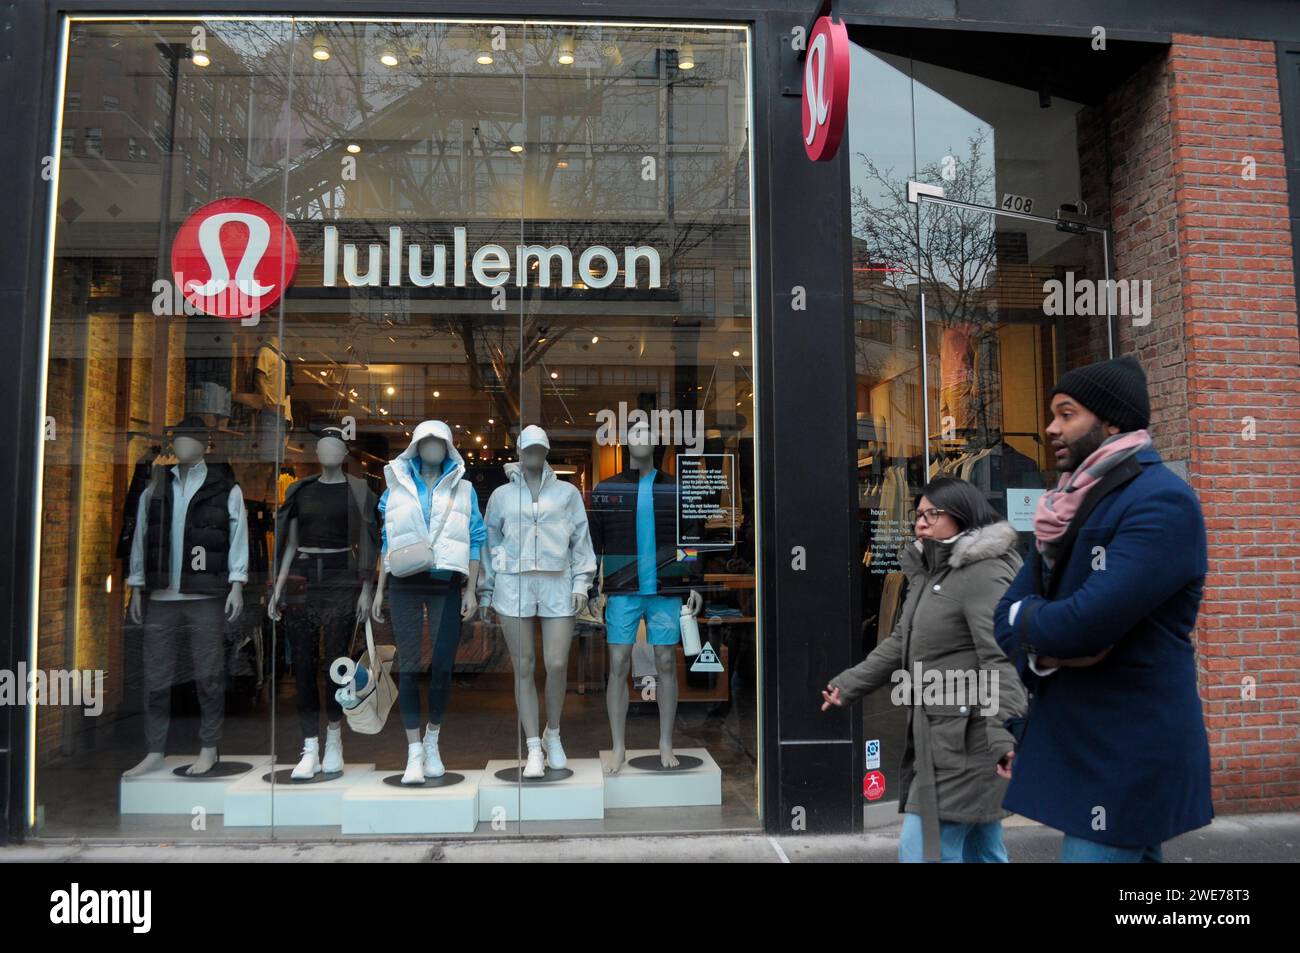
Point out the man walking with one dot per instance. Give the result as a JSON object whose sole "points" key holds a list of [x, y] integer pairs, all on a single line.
{"points": [[1098, 622]]}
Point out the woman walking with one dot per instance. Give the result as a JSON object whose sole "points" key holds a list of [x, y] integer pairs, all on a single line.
{"points": [[957, 759]]}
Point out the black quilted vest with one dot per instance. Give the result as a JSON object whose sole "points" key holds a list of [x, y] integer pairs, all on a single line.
{"points": [[207, 524]]}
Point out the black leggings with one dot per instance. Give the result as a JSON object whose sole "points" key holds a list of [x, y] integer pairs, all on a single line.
{"points": [[330, 605], [410, 597]]}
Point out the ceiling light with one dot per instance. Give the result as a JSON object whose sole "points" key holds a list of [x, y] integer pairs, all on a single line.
{"points": [[516, 148], [200, 58], [686, 56], [391, 390], [354, 147], [566, 56], [388, 58], [320, 50]]}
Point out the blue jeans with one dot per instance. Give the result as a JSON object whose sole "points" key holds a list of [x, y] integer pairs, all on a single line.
{"points": [[958, 843], [409, 598], [1080, 850]]}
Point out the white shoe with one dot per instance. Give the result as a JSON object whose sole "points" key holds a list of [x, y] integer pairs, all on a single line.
{"points": [[309, 766], [554, 750], [414, 764], [536, 766], [332, 763], [433, 767]]}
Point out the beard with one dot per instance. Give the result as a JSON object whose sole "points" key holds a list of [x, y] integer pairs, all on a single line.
{"points": [[1083, 447]]}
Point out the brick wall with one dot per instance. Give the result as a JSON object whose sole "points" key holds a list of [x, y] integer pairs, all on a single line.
{"points": [[1222, 347]]}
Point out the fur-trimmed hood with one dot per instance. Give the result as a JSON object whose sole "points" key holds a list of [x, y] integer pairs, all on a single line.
{"points": [[987, 542]]}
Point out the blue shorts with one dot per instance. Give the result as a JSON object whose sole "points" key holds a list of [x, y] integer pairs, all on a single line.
{"points": [[662, 619]]}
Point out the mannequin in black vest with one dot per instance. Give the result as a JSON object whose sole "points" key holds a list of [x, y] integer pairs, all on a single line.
{"points": [[202, 507]]}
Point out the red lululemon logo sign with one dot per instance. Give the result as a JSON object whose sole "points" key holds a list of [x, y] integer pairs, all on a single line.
{"points": [[873, 786], [233, 258], [825, 89]]}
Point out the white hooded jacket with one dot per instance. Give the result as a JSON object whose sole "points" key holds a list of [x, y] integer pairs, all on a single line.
{"points": [[552, 538], [404, 519]]}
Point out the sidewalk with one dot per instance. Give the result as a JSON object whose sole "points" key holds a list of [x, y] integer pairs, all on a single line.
{"points": [[1248, 838]]}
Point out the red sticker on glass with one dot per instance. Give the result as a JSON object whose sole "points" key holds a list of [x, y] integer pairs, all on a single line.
{"points": [[233, 258], [873, 786]]}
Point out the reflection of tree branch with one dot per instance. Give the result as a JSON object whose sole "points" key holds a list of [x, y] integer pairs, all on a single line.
{"points": [[954, 252]]}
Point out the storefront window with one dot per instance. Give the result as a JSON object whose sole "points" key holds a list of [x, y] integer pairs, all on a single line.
{"points": [[364, 261], [957, 343]]}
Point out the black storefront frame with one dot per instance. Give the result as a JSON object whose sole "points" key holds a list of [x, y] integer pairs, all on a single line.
{"points": [[800, 226]]}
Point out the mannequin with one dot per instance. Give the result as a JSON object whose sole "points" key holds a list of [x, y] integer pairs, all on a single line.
{"points": [[329, 536], [189, 550], [538, 569], [634, 534], [426, 502]]}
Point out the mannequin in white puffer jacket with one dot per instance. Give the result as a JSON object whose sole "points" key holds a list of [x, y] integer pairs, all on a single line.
{"points": [[537, 570]]}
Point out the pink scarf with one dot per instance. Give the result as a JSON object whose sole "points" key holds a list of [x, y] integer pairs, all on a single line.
{"points": [[1057, 507]]}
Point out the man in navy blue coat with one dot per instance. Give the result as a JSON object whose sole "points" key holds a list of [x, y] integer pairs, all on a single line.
{"points": [[1098, 622]]}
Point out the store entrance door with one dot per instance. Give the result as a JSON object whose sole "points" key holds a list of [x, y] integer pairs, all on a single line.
{"points": [[957, 353]]}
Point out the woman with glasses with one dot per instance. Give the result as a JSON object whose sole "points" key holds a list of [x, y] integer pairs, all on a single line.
{"points": [[959, 688]]}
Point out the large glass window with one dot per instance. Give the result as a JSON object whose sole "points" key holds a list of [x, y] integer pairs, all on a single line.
{"points": [[958, 342], [294, 351]]}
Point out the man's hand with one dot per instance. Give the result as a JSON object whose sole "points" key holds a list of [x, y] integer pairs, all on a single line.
{"points": [[1081, 662]]}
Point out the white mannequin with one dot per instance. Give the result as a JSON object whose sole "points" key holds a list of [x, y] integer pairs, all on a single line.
{"points": [[432, 452], [189, 453], [557, 636], [331, 452], [641, 457]]}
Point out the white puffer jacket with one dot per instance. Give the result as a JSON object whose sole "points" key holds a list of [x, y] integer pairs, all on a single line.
{"points": [[404, 521], [552, 539]]}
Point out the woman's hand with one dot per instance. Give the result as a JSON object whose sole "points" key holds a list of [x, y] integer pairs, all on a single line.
{"points": [[1004, 765], [273, 607], [831, 696], [468, 604], [377, 605]]}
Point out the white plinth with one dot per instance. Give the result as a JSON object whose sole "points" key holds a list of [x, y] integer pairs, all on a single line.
{"points": [[317, 804], [578, 797], [373, 807], [161, 792], [640, 787]]}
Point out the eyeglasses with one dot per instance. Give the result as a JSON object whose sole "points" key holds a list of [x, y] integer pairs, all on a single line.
{"points": [[931, 516]]}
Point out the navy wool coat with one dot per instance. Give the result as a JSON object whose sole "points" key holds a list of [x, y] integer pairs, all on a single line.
{"points": [[1115, 752]]}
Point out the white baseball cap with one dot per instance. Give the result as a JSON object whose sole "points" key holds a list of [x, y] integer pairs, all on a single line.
{"points": [[533, 434]]}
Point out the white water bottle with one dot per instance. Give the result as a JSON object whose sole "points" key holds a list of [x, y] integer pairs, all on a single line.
{"points": [[690, 632]]}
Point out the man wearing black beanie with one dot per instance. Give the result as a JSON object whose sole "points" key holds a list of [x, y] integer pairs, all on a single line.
{"points": [[1099, 621]]}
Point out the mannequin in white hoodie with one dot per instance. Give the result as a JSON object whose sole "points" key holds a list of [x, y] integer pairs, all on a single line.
{"points": [[538, 569], [428, 504]]}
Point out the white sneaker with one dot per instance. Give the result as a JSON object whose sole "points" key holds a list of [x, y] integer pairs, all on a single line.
{"points": [[332, 763], [554, 750], [309, 766], [414, 764], [433, 767], [536, 766]]}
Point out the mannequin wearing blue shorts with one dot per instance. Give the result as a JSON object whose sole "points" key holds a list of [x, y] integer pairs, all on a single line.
{"points": [[625, 610]]}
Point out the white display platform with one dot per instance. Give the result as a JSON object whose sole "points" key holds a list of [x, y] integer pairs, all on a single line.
{"points": [[578, 797], [314, 804], [372, 807], [162, 792], [639, 787]]}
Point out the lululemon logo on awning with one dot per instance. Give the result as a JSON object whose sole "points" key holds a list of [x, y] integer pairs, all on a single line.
{"points": [[233, 258], [825, 89]]}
